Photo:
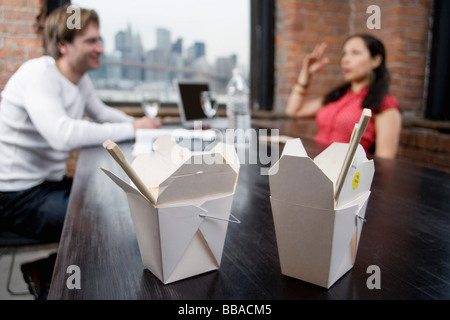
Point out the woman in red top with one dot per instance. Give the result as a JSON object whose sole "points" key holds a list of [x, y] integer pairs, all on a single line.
{"points": [[367, 84]]}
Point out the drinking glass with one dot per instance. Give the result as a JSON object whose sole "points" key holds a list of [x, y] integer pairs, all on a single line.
{"points": [[150, 105], [209, 103]]}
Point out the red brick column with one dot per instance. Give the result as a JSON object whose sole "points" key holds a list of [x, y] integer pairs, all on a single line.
{"points": [[18, 40]]}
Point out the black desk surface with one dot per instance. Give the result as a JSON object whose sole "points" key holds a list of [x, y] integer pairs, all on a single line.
{"points": [[406, 235]]}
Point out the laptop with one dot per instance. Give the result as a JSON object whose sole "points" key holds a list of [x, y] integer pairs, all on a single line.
{"points": [[190, 107]]}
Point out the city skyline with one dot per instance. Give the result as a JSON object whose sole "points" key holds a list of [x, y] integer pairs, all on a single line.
{"points": [[131, 68], [165, 40], [168, 60], [223, 26]]}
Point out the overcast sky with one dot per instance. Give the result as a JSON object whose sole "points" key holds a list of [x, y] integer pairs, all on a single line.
{"points": [[224, 25]]}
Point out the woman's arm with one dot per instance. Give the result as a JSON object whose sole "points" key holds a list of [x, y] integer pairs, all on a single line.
{"points": [[388, 125], [300, 107], [297, 106]]}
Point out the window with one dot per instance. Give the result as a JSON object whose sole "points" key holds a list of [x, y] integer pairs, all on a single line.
{"points": [[438, 100], [262, 53], [148, 44]]}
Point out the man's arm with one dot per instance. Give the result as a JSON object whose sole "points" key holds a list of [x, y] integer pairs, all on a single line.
{"points": [[97, 110], [45, 107], [100, 112]]}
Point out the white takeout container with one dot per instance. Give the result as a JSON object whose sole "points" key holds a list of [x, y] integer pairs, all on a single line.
{"points": [[317, 238], [183, 233]]}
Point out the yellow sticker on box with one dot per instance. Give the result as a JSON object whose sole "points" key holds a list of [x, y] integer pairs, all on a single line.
{"points": [[356, 179]]}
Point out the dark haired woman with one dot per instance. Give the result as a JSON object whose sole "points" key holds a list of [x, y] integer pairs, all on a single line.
{"points": [[367, 84]]}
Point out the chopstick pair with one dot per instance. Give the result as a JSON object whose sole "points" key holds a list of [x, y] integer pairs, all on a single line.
{"points": [[118, 155], [355, 138]]}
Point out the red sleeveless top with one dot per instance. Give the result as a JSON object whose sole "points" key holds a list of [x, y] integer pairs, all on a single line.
{"points": [[336, 120]]}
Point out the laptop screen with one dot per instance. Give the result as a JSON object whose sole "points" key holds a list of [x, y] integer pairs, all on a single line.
{"points": [[190, 99]]}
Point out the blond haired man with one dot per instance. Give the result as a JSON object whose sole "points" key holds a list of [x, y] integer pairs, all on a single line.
{"points": [[42, 119]]}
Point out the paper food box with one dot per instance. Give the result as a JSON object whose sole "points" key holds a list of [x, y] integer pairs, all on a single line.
{"points": [[318, 237], [182, 233]]}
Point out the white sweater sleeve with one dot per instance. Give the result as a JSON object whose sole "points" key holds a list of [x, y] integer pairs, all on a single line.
{"points": [[97, 110], [46, 109]]}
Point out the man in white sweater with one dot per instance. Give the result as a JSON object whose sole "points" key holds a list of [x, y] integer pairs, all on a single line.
{"points": [[41, 121]]}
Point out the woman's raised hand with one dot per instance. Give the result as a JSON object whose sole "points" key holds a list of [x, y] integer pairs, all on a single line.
{"points": [[312, 63]]}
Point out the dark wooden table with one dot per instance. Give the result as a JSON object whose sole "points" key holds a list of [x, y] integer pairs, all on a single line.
{"points": [[407, 235]]}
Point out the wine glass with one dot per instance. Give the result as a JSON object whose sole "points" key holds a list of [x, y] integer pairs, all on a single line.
{"points": [[150, 105], [209, 103]]}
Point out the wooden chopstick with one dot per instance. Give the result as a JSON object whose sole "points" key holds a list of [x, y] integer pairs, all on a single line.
{"points": [[118, 155], [357, 133]]}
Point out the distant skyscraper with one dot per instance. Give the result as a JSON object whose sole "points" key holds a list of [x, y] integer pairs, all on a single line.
{"points": [[120, 41], [131, 49], [176, 60], [163, 39], [177, 47], [224, 67], [196, 51], [158, 56]]}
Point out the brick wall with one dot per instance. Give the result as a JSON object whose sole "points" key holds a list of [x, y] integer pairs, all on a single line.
{"points": [[18, 39], [425, 146], [300, 24]]}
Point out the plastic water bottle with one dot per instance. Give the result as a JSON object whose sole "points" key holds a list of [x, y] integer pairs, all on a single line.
{"points": [[238, 102]]}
